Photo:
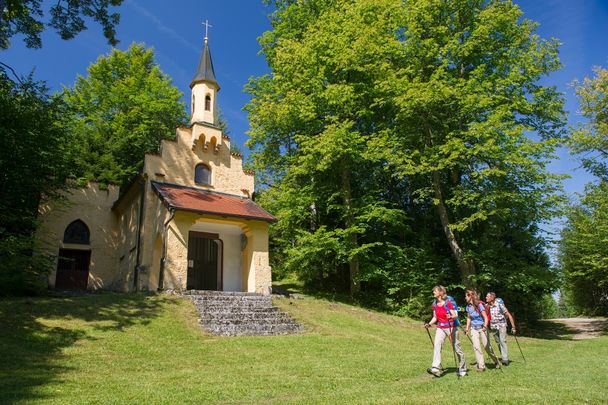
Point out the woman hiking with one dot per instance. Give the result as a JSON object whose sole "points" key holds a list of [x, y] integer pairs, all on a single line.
{"points": [[445, 316], [477, 328]]}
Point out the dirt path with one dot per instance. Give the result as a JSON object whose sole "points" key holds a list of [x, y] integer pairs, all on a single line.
{"points": [[584, 328]]}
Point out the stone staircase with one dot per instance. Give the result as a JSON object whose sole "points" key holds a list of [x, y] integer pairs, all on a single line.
{"points": [[241, 314]]}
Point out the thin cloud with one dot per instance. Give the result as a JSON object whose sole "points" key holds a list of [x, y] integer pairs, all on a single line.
{"points": [[162, 27]]}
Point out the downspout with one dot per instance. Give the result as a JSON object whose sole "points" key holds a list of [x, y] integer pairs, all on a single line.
{"points": [[161, 275], [142, 199]]}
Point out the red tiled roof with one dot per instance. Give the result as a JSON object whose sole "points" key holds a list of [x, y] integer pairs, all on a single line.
{"points": [[209, 202]]}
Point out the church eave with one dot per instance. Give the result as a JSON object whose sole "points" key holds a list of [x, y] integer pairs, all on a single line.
{"points": [[205, 124], [178, 197], [195, 82], [171, 207]]}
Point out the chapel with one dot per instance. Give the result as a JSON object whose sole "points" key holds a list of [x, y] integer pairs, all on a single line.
{"points": [[187, 222]]}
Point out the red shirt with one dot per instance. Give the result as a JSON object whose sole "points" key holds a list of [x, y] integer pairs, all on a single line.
{"points": [[441, 313]]}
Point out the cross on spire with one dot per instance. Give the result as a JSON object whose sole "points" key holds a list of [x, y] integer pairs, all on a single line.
{"points": [[207, 25]]}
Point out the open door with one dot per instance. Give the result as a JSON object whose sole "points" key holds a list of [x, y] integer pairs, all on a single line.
{"points": [[73, 269], [204, 262]]}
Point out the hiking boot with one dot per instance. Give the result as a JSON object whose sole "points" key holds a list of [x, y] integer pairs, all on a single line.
{"points": [[480, 369], [505, 362], [434, 371], [462, 373]]}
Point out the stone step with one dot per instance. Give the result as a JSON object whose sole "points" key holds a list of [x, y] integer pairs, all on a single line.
{"points": [[241, 314], [210, 293], [232, 308], [226, 306], [234, 298], [238, 321], [251, 316], [236, 301], [254, 330]]}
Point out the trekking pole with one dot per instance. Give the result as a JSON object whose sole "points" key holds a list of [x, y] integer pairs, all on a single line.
{"points": [[463, 331], [522, 353], [430, 338], [452, 341]]}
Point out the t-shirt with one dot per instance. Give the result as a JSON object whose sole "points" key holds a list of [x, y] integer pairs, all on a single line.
{"points": [[497, 312], [441, 313], [476, 316]]}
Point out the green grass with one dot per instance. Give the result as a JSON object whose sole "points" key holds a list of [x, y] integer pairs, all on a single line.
{"points": [[112, 348]]}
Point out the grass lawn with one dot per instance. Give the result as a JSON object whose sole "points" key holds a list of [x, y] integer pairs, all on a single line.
{"points": [[112, 348]]}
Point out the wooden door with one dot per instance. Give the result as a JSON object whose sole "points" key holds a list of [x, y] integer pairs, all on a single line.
{"points": [[204, 266], [73, 269]]}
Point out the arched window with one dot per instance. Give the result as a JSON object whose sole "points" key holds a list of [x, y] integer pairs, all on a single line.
{"points": [[77, 232], [193, 103], [202, 174], [207, 102]]}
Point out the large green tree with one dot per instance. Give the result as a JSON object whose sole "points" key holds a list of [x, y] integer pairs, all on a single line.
{"points": [[312, 127], [123, 109], [36, 147], [67, 17], [386, 124], [35, 152], [584, 252], [583, 248], [465, 102]]}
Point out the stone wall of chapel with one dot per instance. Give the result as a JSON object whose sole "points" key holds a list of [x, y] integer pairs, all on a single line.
{"points": [[257, 270], [153, 230], [91, 205], [200, 144], [128, 217]]}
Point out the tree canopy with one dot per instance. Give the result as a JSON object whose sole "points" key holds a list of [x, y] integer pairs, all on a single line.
{"points": [[67, 17], [584, 252], [121, 110], [35, 156], [583, 248], [590, 139], [394, 137]]}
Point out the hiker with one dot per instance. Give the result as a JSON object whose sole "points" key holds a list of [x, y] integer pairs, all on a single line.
{"points": [[498, 323], [477, 329], [445, 316]]}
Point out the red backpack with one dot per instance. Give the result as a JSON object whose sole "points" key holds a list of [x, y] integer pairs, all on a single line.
{"points": [[487, 308]]}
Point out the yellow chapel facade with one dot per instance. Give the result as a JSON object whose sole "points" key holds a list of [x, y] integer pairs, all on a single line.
{"points": [[187, 222]]}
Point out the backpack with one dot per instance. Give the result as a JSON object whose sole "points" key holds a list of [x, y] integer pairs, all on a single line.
{"points": [[486, 309], [498, 300], [449, 300]]}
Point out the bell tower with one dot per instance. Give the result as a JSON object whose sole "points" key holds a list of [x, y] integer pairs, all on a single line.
{"points": [[204, 88]]}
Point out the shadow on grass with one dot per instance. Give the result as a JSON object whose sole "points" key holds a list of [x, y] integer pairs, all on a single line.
{"points": [[542, 329], [34, 333], [550, 330], [295, 288]]}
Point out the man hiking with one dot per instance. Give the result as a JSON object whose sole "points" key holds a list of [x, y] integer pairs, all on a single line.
{"points": [[445, 316], [498, 324], [477, 329]]}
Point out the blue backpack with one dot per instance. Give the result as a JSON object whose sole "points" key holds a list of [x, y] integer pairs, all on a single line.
{"points": [[452, 302]]}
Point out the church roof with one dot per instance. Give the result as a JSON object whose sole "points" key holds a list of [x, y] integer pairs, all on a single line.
{"points": [[204, 71], [184, 198]]}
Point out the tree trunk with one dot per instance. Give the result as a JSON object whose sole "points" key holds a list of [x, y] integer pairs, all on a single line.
{"points": [[465, 265], [353, 263]]}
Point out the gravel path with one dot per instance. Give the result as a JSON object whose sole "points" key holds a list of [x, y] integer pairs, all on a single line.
{"points": [[584, 328]]}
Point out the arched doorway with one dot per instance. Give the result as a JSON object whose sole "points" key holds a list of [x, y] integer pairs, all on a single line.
{"points": [[73, 264], [205, 253]]}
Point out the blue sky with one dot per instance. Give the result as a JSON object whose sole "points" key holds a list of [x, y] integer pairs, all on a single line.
{"points": [[174, 29]]}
